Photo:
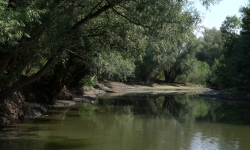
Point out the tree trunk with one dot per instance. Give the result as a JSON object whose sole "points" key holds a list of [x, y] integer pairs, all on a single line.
{"points": [[171, 75], [4, 61], [5, 93], [58, 83], [91, 16], [168, 77]]}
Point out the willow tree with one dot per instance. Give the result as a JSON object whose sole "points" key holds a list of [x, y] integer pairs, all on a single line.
{"points": [[171, 53], [38, 38]]}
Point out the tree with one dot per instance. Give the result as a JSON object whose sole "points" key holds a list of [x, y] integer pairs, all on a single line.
{"points": [[233, 70], [184, 60], [41, 37], [212, 46]]}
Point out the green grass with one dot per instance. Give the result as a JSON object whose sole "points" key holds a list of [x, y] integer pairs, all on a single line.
{"points": [[167, 87], [131, 87], [87, 88], [168, 91]]}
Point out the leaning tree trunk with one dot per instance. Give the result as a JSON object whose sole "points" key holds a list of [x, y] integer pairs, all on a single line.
{"points": [[5, 93]]}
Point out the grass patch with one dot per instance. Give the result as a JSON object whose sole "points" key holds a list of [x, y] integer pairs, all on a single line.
{"points": [[168, 91], [87, 88], [167, 87], [131, 87]]}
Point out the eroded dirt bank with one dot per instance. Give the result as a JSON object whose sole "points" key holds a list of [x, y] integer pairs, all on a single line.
{"points": [[22, 106]]}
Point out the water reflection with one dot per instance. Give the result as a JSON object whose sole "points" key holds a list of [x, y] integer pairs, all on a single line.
{"points": [[184, 107], [144, 121]]}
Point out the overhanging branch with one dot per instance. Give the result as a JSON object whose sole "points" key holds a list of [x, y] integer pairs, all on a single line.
{"points": [[136, 23], [98, 4], [91, 16], [76, 55]]}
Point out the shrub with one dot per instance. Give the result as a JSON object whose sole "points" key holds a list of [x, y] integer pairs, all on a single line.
{"points": [[199, 74], [89, 81]]}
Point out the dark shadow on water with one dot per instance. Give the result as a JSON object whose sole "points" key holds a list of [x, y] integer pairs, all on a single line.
{"points": [[58, 143]]}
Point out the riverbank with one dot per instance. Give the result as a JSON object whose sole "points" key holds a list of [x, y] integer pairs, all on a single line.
{"points": [[117, 87], [17, 108], [222, 95]]}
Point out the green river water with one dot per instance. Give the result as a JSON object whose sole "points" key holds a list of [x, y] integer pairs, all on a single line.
{"points": [[136, 122]]}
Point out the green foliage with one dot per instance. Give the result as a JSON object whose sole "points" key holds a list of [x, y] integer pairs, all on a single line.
{"points": [[147, 65], [89, 81], [207, 3], [182, 79], [113, 65], [184, 60], [215, 72], [60, 41], [211, 46], [231, 25], [233, 69], [172, 56], [199, 74]]}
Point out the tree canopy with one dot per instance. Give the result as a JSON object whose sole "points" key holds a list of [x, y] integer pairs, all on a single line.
{"points": [[58, 42], [233, 70]]}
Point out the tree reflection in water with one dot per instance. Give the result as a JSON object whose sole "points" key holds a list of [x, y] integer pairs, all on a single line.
{"points": [[183, 107], [142, 121]]}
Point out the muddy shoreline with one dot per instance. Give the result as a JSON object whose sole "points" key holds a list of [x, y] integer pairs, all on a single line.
{"points": [[40, 109], [221, 95], [114, 89], [16, 109]]}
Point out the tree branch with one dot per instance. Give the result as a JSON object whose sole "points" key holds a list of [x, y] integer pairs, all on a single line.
{"points": [[91, 16], [76, 55], [98, 4], [136, 23], [5, 93]]}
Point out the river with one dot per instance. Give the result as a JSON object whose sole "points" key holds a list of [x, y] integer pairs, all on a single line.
{"points": [[136, 122]]}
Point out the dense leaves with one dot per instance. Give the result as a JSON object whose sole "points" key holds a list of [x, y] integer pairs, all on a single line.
{"points": [[53, 43], [211, 46], [233, 70]]}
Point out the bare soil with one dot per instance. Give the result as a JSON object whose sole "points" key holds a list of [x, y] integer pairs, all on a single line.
{"points": [[117, 87]]}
